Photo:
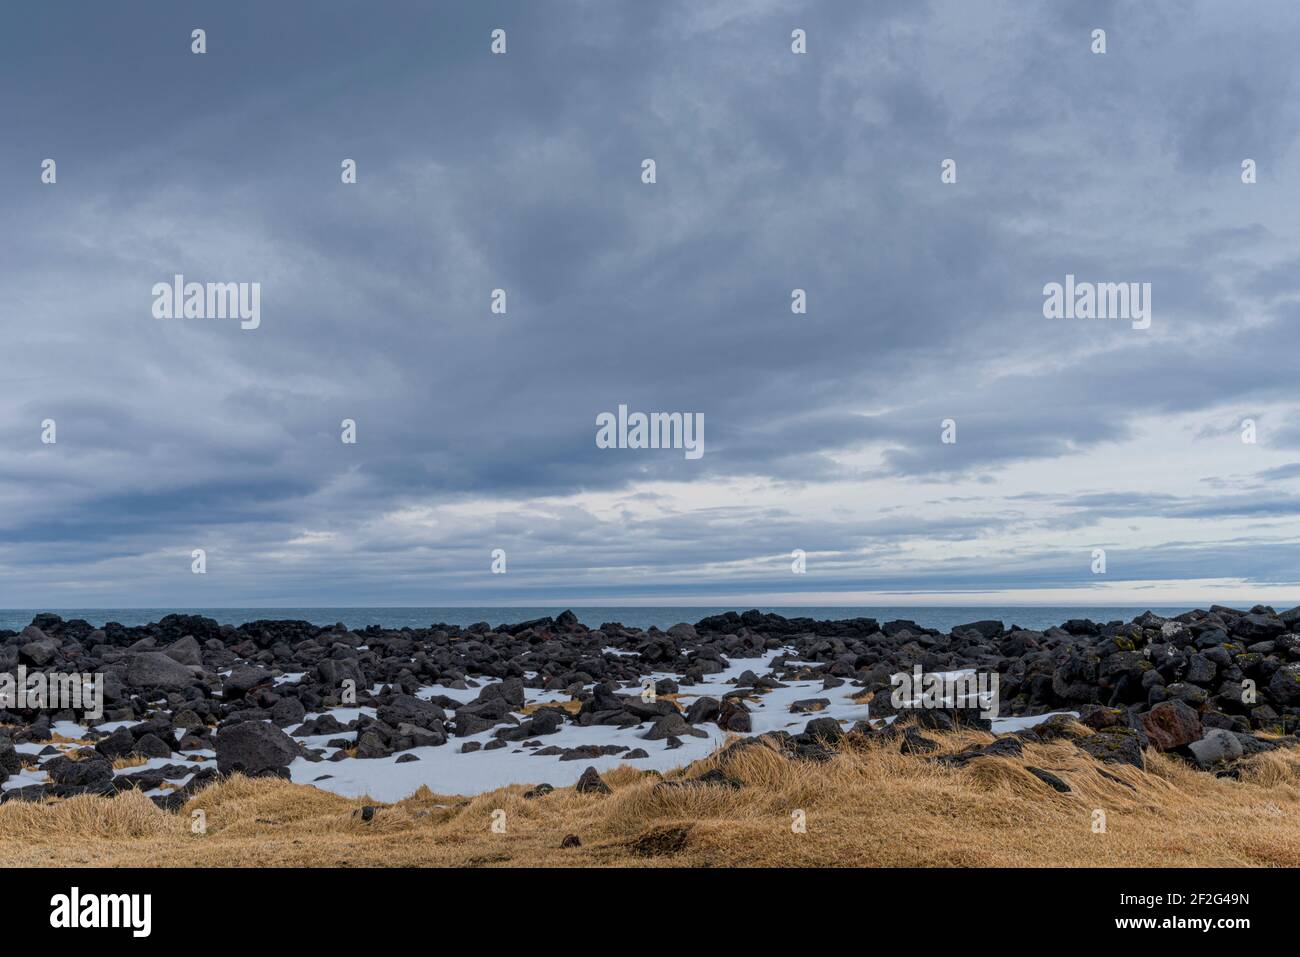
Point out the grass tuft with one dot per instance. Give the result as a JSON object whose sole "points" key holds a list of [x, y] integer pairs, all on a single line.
{"points": [[867, 806]]}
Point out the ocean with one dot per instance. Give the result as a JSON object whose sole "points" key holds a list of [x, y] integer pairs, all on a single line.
{"points": [[930, 616]]}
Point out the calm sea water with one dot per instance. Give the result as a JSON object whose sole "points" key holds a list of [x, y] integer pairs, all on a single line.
{"points": [[941, 617]]}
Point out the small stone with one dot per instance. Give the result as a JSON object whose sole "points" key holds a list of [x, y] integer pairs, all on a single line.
{"points": [[1048, 778], [591, 783]]}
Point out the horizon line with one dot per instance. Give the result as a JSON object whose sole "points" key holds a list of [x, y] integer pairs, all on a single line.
{"points": [[563, 605]]}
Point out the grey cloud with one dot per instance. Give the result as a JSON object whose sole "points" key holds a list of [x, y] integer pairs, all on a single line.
{"points": [[522, 172]]}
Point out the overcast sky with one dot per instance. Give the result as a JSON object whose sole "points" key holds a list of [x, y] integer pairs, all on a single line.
{"points": [[523, 172]]}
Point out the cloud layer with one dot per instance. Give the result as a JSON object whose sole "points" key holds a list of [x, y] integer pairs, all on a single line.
{"points": [[775, 171]]}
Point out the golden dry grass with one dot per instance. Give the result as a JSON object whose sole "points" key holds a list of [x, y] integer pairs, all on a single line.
{"points": [[570, 707], [866, 807], [56, 738], [574, 706]]}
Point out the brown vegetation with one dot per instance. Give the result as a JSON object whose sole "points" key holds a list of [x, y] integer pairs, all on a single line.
{"points": [[868, 806]]}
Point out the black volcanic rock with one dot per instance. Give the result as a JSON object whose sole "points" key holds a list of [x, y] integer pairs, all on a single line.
{"points": [[153, 669], [1149, 682], [255, 748]]}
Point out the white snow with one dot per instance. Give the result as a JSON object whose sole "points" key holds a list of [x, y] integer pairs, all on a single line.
{"points": [[446, 770], [108, 727], [25, 777], [208, 758], [343, 715], [69, 729]]}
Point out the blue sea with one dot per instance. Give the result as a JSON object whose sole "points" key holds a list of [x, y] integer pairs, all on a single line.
{"points": [[634, 616]]}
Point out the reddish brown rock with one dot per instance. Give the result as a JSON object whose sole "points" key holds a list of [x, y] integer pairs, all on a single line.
{"points": [[1171, 724]]}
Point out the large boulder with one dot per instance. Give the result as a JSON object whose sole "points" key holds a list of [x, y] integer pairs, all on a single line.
{"points": [[244, 679], [1285, 685], [152, 746], [733, 716], [467, 724], [511, 690], [1217, 745], [87, 772], [114, 684], [1114, 746], [408, 709], [186, 651], [546, 721], [371, 744], [288, 712], [826, 730], [703, 708], [38, 653], [153, 669], [1171, 724], [420, 737], [1201, 670], [1075, 680], [255, 748], [1257, 627], [672, 725], [117, 745], [9, 760], [683, 631], [1122, 664]]}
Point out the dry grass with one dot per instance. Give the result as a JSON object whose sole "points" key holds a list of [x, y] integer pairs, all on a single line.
{"points": [[56, 738], [569, 707], [574, 706], [869, 807]]}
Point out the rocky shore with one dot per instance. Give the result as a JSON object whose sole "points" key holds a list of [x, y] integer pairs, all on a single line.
{"points": [[186, 700]]}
